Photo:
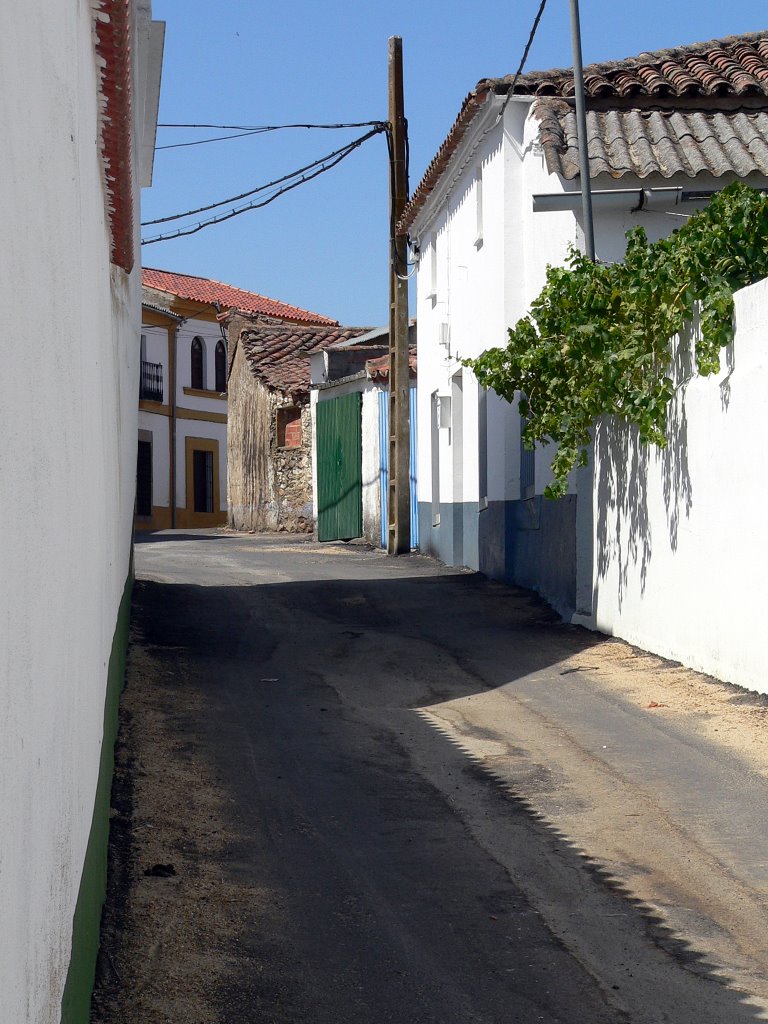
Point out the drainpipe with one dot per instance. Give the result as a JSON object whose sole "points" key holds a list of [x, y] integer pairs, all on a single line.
{"points": [[581, 127]]}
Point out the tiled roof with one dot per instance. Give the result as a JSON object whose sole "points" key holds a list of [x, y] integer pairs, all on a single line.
{"points": [[735, 66], [205, 290], [666, 142], [719, 75], [156, 308], [113, 46], [278, 355], [378, 369]]}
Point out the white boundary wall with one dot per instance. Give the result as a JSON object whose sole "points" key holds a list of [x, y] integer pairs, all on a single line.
{"points": [[68, 415], [680, 553]]}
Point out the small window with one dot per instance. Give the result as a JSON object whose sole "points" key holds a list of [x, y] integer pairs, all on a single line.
{"points": [[221, 367], [198, 364], [289, 428]]}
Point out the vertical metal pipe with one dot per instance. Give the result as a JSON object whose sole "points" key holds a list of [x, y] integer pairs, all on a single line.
{"points": [[581, 128]]}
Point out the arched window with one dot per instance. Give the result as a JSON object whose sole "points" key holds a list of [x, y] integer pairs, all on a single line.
{"points": [[221, 367], [198, 363]]}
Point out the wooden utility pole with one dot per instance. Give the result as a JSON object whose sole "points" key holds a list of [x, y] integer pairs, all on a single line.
{"points": [[399, 496]]}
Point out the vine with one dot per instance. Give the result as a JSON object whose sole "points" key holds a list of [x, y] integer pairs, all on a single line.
{"points": [[596, 341]]}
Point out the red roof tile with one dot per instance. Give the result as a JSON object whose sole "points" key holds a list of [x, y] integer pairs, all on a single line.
{"points": [[278, 355], [378, 369], [203, 289], [726, 71], [113, 46]]}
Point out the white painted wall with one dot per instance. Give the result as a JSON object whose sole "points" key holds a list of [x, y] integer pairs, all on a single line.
{"points": [[679, 535], [483, 286], [469, 249], [71, 325], [156, 351], [159, 427], [371, 465]]}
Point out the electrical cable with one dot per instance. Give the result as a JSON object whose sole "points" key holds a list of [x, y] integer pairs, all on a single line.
{"points": [[242, 131], [510, 90], [262, 188], [276, 127], [339, 155], [524, 58], [202, 142], [397, 261]]}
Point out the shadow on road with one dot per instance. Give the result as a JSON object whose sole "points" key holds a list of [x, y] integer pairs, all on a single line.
{"points": [[385, 907]]}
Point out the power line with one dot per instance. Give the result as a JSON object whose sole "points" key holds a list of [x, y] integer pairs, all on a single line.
{"points": [[242, 131], [327, 165], [274, 127], [510, 90], [262, 188], [202, 142], [526, 51]]}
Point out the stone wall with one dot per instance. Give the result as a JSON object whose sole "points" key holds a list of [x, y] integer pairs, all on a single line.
{"points": [[269, 487], [292, 473]]}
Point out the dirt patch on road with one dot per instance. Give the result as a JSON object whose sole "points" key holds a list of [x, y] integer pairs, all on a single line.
{"points": [[720, 712], [171, 917]]}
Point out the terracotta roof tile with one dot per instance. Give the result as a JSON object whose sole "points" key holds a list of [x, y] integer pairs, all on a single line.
{"points": [[205, 290], [655, 141], [278, 354], [720, 72], [378, 369], [733, 66]]}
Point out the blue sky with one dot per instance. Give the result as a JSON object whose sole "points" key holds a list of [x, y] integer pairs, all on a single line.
{"points": [[323, 246]]}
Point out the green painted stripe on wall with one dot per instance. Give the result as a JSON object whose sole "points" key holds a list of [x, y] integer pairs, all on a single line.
{"points": [[86, 925]]}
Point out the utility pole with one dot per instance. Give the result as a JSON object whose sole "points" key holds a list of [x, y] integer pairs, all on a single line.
{"points": [[581, 129], [399, 496]]}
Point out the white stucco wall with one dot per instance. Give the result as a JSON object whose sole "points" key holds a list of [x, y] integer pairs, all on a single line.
{"points": [[159, 427], [479, 288], [371, 465], [156, 351], [680, 560], [464, 290], [71, 325]]}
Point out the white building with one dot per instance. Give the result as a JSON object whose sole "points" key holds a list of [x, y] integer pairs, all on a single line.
{"points": [[182, 451], [79, 86], [496, 205]]}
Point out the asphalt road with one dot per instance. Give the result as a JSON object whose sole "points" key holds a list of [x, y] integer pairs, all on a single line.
{"points": [[420, 787]]}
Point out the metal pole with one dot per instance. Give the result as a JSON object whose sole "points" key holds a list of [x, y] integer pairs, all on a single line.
{"points": [[581, 128], [399, 496]]}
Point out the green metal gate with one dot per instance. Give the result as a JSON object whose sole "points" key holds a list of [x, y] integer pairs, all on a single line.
{"points": [[339, 468]]}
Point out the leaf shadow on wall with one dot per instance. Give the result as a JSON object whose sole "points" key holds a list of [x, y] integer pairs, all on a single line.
{"points": [[624, 529]]}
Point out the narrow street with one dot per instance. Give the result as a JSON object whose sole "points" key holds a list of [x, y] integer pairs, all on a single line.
{"points": [[359, 789]]}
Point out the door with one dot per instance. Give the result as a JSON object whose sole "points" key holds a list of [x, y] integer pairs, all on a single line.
{"points": [[144, 479], [339, 468], [202, 477]]}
